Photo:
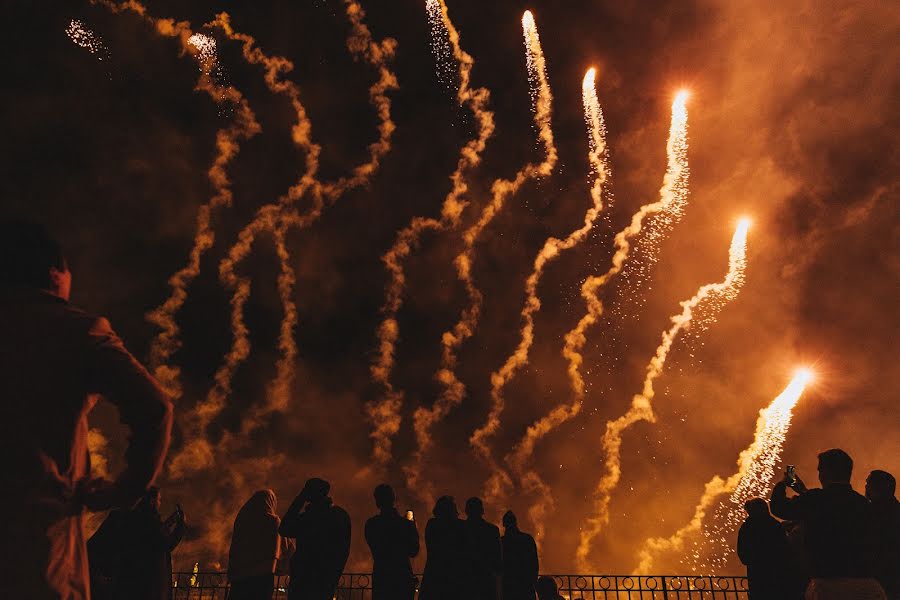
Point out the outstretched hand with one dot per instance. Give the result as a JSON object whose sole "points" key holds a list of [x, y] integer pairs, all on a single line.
{"points": [[795, 483]]}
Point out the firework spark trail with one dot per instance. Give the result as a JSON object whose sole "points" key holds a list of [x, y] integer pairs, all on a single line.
{"points": [[454, 390], [673, 191], [228, 139], [500, 480], [87, 39], [712, 296], [756, 469], [443, 45], [278, 218], [385, 414]]}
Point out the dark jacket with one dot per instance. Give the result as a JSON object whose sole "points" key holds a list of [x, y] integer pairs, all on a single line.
{"points": [[135, 548], [837, 528], [762, 546], [886, 516], [56, 361], [393, 540], [322, 532], [485, 556], [445, 567], [520, 565]]}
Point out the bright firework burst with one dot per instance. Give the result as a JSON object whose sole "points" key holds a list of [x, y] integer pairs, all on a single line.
{"points": [[440, 42]]}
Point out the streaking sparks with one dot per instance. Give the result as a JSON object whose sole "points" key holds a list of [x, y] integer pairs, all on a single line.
{"points": [[642, 404], [87, 39], [756, 470], [441, 45]]}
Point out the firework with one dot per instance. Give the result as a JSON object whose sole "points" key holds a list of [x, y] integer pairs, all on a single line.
{"points": [[711, 297], [385, 413], [444, 48], [756, 469], [549, 252], [673, 188], [87, 39], [453, 389]]}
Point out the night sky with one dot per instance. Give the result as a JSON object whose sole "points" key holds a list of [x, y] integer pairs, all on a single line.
{"points": [[793, 121]]}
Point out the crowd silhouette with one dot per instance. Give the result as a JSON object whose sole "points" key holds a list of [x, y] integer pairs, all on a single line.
{"points": [[826, 543]]}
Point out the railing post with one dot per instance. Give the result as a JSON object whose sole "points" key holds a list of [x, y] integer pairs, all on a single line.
{"points": [[665, 591]]}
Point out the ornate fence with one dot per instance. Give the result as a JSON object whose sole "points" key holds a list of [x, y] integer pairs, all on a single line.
{"points": [[358, 586]]}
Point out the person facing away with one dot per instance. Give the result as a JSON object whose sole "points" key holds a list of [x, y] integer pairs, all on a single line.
{"points": [[762, 546], [881, 489], [393, 540], [837, 529], [255, 548], [137, 546], [547, 589], [520, 561], [484, 551], [445, 565], [56, 361], [322, 531]]}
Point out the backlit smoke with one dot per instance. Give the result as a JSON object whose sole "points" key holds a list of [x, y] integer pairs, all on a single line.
{"points": [[242, 126], [453, 389], [279, 218], [500, 480], [756, 470], [87, 39], [385, 413], [709, 297], [674, 190]]}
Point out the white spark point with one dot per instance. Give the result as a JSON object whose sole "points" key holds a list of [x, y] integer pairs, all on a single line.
{"points": [[84, 37]]}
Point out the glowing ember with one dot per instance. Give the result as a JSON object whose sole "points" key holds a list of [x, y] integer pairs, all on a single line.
{"points": [[442, 46], [87, 39]]}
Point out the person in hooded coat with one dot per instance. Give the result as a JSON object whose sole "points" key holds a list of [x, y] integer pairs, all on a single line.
{"points": [[255, 548], [520, 561], [322, 531], [446, 569]]}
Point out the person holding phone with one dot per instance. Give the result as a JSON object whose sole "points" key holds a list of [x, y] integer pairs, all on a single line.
{"points": [[393, 540], [837, 529]]}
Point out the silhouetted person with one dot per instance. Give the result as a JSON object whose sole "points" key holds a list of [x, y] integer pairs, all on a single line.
{"points": [[322, 531], [520, 561], [137, 545], [547, 589], [881, 489], [393, 540], [446, 566], [484, 551], [762, 546], [837, 529], [255, 548], [55, 360]]}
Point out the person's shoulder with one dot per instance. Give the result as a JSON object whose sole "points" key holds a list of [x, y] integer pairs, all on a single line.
{"points": [[340, 513]]}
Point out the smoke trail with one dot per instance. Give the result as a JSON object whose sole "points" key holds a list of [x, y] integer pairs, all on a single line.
{"points": [[756, 469], [673, 191], [228, 139], [385, 414], [278, 218], [454, 390], [552, 248], [714, 295]]}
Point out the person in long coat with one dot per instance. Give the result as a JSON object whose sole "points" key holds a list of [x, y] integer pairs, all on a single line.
{"points": [[255, 548], [446, 571], [520, 561], [393, 540]]}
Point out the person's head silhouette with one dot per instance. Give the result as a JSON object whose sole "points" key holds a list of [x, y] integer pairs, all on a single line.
{"points": [[757, 507], [509, 520], [30, 257], [384, 497], [880, 486], [316, 490], [445, 508], [474, 508], [151, 500], [835, 466]]}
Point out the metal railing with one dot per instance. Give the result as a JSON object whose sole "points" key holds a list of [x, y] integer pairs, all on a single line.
{"points": [[358, 586]]}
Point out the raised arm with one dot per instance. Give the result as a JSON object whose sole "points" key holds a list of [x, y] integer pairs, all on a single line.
{"points": [[291, 522], [143, 406]]}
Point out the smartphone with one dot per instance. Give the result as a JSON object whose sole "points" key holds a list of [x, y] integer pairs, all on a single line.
{"points": [[792, 475], [410, 516]]}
